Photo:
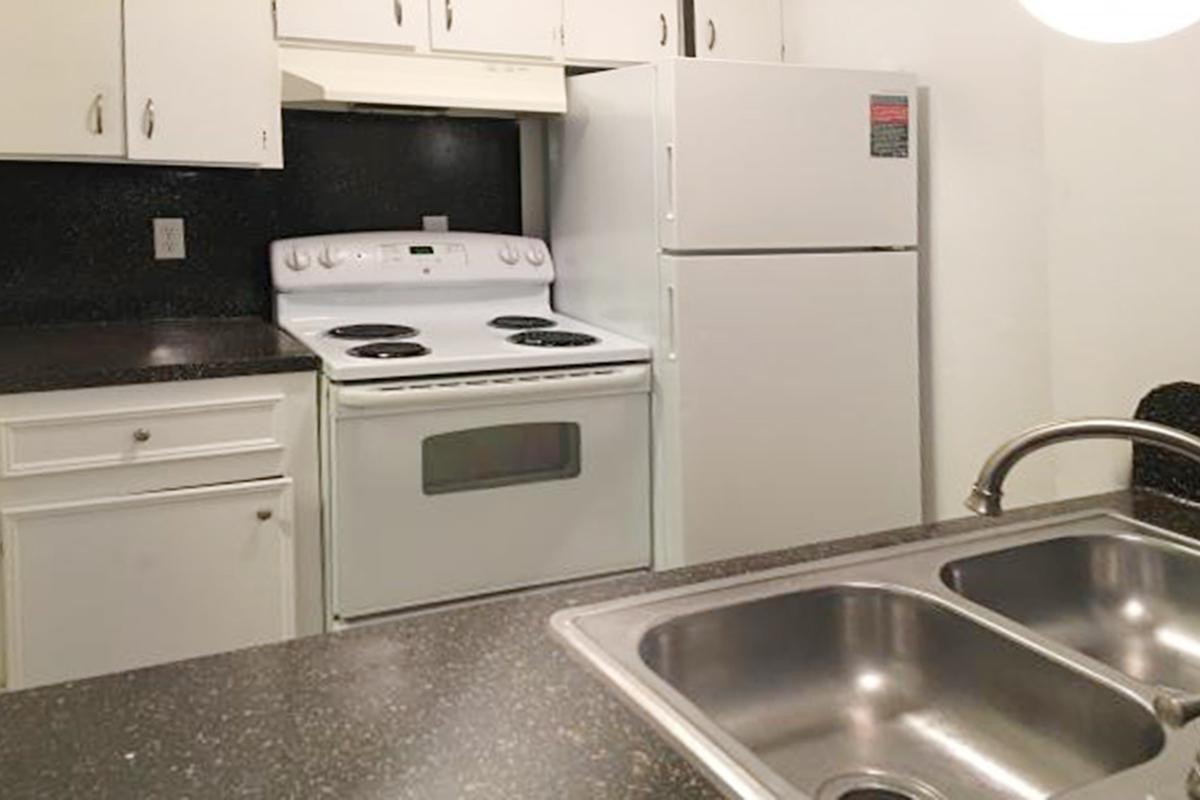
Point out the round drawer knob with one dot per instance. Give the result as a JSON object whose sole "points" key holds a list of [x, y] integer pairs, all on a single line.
{"points": [[141, 435], [265, 514]]}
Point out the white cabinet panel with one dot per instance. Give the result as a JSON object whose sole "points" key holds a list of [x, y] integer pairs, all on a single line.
{"points": [[620, 31], [398, 23], [202, 80], [108, 585], [530, 28], [826, 409], [63, 87], [739, 30]]}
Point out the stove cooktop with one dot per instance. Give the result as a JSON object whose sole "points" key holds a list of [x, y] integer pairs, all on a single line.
{"points": [[453, 341], [412, 304]]}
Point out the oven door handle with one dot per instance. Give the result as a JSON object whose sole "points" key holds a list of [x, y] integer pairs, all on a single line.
{"points": [[536, 387]]}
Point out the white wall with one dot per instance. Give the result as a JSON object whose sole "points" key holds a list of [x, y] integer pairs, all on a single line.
{"points": [[1123, 148], [987, 368]]}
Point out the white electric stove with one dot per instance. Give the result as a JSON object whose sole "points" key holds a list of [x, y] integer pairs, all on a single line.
{"points": [[474, 440]]}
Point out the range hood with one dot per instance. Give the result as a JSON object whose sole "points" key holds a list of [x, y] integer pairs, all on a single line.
{"points": [[324, 76]]}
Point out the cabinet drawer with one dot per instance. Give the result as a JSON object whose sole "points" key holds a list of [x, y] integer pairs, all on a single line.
{"points": [[69, 442], [121, 583]]}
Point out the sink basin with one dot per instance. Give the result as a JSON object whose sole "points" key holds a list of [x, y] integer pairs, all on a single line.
{"points": [[943, 670], [1129, 601], [848, 681]]}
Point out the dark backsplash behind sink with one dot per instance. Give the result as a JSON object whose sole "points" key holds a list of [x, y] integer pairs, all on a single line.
{"points": [[76, 239]]}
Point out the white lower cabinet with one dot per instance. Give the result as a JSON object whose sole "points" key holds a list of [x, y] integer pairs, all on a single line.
{"points": [[150, 523], [119, 583]]}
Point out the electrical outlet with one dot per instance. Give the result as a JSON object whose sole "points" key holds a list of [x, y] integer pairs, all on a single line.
{"points": [[170, 241]]}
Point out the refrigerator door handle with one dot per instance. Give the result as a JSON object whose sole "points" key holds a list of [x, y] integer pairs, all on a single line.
{"points": [[672, 315], [671, 183]]}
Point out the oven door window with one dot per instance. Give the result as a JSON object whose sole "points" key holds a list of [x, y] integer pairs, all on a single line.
{"points": [[504, 455]]}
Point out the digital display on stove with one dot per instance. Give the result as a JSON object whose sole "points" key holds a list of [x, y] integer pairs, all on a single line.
{"points": [[421, 250]]}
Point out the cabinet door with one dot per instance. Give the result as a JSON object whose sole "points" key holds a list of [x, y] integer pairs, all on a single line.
{"points": [[202, 80], [63, 91], [397, 23], [739, 30], [530, 28], [619, 31], [110, 585]]}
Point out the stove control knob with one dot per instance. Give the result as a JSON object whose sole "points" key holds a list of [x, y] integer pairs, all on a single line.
{"points": [[536, 256], [298, 261], [510, 255], [331, 257]]}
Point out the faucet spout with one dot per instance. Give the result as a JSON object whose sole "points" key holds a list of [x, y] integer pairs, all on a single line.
{"points": [[987, 495]]}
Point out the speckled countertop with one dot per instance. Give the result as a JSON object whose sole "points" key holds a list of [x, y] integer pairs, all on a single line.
{"points": [[42, 358], [471, 701]]}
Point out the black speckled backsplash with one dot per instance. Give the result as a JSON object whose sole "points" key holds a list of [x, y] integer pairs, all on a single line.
{"points": [[1176, 405], [75, 239]]}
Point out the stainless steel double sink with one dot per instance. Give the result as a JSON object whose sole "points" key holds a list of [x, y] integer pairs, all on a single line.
{"points": [[1019, 662]]}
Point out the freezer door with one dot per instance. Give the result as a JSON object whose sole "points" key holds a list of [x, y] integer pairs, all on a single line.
{"points": [[776, 157], [788, 410]]}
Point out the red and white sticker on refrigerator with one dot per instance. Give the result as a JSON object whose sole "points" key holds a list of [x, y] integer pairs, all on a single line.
{"points": [[890, 126]]}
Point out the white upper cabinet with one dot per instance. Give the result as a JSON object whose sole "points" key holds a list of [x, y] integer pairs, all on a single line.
{"points": [[185, 81], [739, 30], [63, 88], [202, 80], [392, 23], [620, 31], [522, 28]]}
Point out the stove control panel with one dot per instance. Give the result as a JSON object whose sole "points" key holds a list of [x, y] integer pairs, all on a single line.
{"points": [[407, 258]]}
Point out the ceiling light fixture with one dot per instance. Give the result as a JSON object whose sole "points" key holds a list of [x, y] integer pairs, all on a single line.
{"points": [[1116, 20]]}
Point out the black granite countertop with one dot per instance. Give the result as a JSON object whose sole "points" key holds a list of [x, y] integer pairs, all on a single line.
{"points": [[42, 358], [474, 701]]}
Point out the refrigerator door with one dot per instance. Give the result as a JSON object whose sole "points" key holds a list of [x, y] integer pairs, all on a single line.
{"points": [[788, 407], [776, 157]]}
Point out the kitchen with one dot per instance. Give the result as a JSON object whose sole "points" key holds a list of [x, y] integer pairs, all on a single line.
{"points": [[755, 339]]}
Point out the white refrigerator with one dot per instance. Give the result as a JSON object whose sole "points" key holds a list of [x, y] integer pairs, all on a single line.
{"points": [[757, 224]]}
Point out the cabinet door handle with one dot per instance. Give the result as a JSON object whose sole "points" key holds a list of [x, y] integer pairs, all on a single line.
{"points": [[712, 35], [141, 435], [149, 118], [398, 6], [449, 14], [98, 108], [265, 515], [662, 18]]}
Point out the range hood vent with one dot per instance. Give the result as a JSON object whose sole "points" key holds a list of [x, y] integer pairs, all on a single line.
{"points": [[319, 76]]}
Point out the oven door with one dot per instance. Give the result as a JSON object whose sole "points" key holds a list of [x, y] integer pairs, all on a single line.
{"points": [[455, 487]]}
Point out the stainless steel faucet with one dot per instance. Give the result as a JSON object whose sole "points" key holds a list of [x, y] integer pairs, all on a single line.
{"points": [[1173, 708], [985, 498]]}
